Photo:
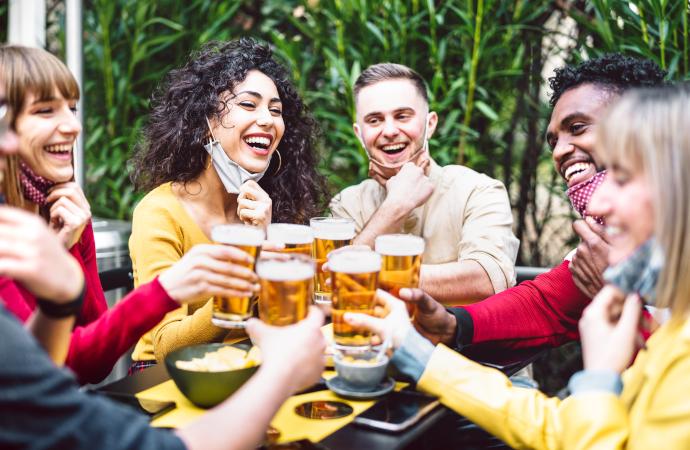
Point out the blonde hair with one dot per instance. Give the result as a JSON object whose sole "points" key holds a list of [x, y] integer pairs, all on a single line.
{"points": [[648, 130], [26, 70]]}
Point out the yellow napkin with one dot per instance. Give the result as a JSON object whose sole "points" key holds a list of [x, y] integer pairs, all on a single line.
{"points": [[291, 426]]}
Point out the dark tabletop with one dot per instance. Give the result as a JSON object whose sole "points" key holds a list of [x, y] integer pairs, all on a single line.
{"points": [[441, 428]]}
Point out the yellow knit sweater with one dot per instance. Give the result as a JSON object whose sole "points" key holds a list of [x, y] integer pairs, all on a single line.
{"points": [[163, 231]]}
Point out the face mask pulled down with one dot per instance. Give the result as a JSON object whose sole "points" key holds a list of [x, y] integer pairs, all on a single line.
{"points": [[385, 171], [580, 194], [639, 273], [231, 174]]}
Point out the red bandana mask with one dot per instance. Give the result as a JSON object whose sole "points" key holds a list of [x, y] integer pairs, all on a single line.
{"points": [[34, 187], [581, 193]]}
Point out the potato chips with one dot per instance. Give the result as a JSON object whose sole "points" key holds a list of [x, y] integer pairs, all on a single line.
{"points": [[222, 360]]}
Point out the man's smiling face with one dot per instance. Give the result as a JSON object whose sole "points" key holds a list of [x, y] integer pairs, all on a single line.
{"points": [[392, 119], [571, 131]]}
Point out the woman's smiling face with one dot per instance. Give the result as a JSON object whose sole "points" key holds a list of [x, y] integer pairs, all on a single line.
{"points": [[625, 201], [47, 130], [252, 125]]}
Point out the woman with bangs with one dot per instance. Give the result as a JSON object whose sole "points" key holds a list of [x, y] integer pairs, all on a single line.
{"points": [[228, 140], [39, 179], [44, 95], [645, 199]]}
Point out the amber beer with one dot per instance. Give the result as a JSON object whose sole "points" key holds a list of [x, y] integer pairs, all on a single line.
{"points": [[402, 259], [296, 238], [286, 288], [329, 234], [232, 312], [354, 276]]}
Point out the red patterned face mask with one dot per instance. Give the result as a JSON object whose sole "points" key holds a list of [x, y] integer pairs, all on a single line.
{"points": [[581, 193], [34, 187]]}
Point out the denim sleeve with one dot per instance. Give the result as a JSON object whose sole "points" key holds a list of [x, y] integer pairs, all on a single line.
{"points": [[413, 355], [595, 381]]}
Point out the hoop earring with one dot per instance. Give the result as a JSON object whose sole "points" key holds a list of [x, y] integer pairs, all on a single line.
{"points": [[280, 163]]}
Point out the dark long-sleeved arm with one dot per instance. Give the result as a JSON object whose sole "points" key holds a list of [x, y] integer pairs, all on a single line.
{"points": [[41, 406]]}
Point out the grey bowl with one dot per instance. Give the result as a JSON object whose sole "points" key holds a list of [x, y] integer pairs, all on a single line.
{"points": [[363, 374], [206, 389]]}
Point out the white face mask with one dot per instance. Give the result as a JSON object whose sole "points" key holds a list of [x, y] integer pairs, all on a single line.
{"points": [[231, 174], [384, 166]]}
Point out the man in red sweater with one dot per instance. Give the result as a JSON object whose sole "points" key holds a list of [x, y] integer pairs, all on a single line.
{"points": [[545, 311]]}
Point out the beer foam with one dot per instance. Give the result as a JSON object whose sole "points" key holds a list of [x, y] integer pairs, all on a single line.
{"points": [[289, 233], [354, 261], [333, 228], [284, 270], [399, 245], [236, 234]]}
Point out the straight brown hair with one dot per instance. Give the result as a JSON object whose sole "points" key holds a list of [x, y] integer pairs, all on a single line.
{"points": [[27, 70]]}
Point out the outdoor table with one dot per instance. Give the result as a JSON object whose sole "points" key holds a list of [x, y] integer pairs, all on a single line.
{"points": [[440, 422]]}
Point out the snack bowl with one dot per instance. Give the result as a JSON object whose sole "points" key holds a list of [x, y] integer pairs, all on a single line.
{"points": [[361, 371], [209, 388]]}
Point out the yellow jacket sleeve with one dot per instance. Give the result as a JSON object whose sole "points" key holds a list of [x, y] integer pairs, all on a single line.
{"points": [[522, 418], [657, 415], [160, 236]]}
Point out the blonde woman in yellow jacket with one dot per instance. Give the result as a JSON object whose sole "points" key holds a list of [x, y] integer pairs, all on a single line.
{"points": [[645, 142]]}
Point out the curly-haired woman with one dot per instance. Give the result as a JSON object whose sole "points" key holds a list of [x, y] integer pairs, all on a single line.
{"points": [[228, 141]]}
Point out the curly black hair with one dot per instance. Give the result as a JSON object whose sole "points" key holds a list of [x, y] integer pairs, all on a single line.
{"points": [[612, 71], [172, 146]]}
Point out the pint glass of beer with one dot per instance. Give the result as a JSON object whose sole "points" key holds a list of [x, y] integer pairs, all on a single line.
{"points": [[402, 259], [354, 277], [329, 234], [286, 287], [232, 312], [296, 238]]}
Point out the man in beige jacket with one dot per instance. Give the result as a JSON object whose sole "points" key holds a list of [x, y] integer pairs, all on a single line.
{"points": [[463, 216]]}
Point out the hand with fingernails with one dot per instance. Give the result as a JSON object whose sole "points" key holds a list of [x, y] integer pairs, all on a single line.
{"points": [[408, 189], [69, 212], [393, 327], [296, 350], [208, 270], [254, 205], [431, 319], [591, 258], [608, 330], [31, 254]]}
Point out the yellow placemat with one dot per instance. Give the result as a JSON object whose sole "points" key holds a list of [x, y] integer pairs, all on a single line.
{"points": [[291, 426]]}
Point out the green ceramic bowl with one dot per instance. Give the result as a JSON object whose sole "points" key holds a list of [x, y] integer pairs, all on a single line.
{"points": [[206, 389]]}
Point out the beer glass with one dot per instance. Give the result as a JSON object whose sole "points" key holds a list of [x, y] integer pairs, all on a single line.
{"points": [[286, 287], [329, 234], [354, 277], [296, 238], [401, 260], [232, 312]]}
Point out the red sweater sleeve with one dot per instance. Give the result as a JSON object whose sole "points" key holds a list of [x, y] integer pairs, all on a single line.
{"points": [[96, 347], [535, 313], [84, 251], [15, 299]]}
